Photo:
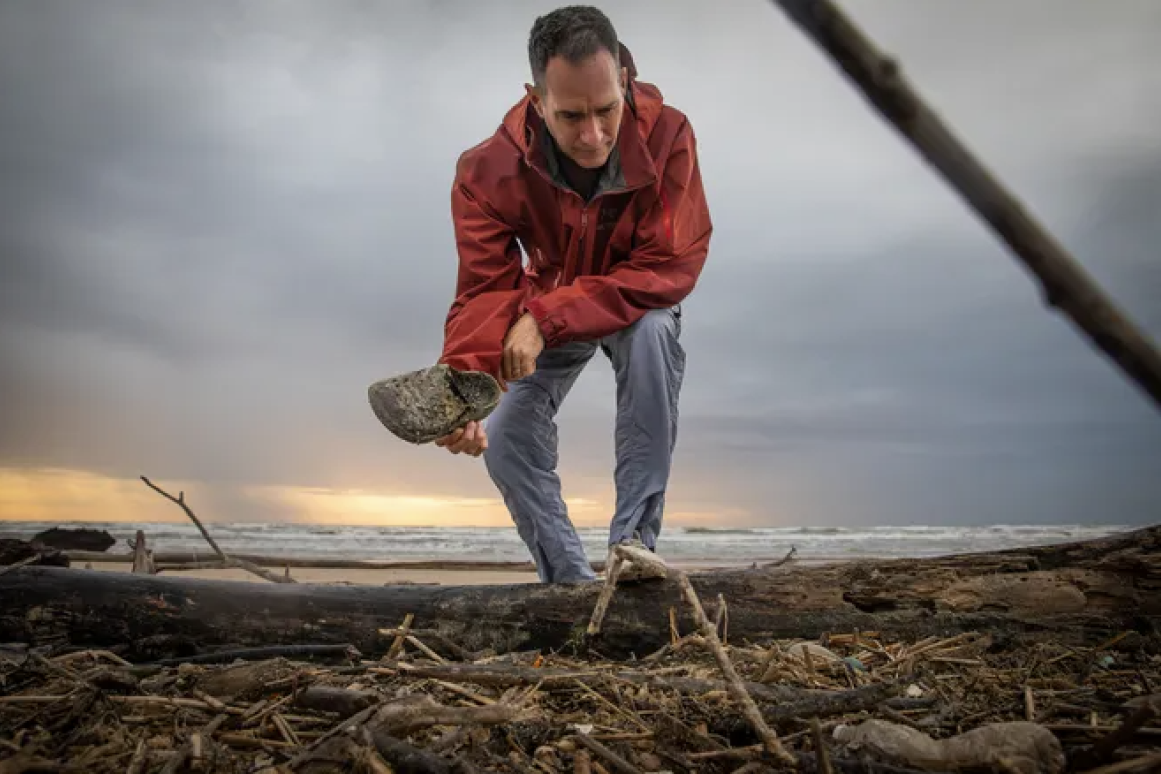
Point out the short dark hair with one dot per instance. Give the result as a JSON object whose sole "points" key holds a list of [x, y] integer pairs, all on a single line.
{"points": [[574, 32]]}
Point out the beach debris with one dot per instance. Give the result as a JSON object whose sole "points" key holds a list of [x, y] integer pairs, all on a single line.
{"points": [[340, 701], [737, 688], [626, 562], [16, 553], [328, 708], [142, 556], [1019, 747], [227, 561]]}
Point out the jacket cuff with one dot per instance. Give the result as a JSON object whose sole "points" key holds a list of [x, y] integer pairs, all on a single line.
{"points": [[550, 327]]}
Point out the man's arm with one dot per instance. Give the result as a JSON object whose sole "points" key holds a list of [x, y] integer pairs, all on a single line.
{"points": [[673, 241], [490, 283], [489, 256]]}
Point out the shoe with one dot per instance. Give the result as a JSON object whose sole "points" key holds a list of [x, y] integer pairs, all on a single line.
{"points": [[420, 406]]}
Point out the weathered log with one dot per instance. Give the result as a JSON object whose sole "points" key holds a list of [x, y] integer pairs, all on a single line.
{"points": [[1078, 593], [320, 562]]}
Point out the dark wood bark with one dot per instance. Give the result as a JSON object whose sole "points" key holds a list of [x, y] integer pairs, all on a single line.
{"points": [[1077, 593], [1065, 283]]}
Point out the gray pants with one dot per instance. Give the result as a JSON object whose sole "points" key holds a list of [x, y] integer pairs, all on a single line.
{"points": [[521, 458]]}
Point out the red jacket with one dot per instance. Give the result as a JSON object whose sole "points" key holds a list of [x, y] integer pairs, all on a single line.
{"points": [[586, 270]]}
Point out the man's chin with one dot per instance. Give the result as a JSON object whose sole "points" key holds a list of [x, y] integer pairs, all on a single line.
{"points": [[591, 160]]}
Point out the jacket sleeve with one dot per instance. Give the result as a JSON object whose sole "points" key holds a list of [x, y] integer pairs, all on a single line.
{"points": [[489, 255], [672, 241], [490, 283]]}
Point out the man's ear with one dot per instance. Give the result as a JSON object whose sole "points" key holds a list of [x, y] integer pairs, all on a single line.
{"points": [[534, 96], [624, 79]]}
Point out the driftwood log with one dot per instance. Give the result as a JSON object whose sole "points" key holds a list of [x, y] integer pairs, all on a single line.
{"points": [[1077, 593]]}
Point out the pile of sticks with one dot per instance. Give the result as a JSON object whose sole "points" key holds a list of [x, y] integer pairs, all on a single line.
{"points": [[702, 703]]}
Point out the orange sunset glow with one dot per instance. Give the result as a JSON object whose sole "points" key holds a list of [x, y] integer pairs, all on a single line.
{"points": [[52, 494]]}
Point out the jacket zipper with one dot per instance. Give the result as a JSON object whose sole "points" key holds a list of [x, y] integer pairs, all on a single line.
{"points": [[583, 263], [584, 212]]}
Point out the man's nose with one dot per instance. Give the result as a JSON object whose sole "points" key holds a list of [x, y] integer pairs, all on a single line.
{"points": [[591, 133]]}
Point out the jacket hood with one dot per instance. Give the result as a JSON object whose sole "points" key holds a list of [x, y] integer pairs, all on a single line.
{"points": [[643, 108]]}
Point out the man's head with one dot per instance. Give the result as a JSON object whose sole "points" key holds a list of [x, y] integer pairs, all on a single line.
{"points": [[578, 83]]}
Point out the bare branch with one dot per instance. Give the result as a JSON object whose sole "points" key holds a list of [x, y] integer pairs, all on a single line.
{"points": [[1064, 282], [239, 563]]}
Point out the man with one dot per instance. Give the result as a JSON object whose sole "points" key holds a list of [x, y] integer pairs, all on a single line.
{"points": [[597, 180]]}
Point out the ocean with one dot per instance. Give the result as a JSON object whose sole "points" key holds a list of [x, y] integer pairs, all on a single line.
{"points": [[686, 545]]}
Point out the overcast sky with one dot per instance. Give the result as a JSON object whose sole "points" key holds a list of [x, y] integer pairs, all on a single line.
{"points": [[222, 220]]}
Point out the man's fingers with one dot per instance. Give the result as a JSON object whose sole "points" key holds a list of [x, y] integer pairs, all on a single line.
{"points": [[509, 365]]}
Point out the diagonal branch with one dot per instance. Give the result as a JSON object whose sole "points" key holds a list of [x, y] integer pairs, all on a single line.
{"points": [[734, 683], [240, 563], [1065, 283]]}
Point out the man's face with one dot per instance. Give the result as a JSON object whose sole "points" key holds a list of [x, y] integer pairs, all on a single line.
{"points": [[582, 104]]}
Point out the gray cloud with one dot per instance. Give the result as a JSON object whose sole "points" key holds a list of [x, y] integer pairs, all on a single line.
{"points": [[223, 220]]}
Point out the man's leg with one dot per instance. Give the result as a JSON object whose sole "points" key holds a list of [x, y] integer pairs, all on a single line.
{"points": [[522, 456], [649, 362]]}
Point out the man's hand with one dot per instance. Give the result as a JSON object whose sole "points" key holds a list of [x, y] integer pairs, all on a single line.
{"points": [[522, 346], [469, 439]]}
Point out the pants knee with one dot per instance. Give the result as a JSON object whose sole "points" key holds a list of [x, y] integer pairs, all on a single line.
{"points": [[656, 324], [510, 446]]}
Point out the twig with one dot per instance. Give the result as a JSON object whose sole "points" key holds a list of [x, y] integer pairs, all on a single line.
{"points": [[614, 760], [397, 643], [733, 681], [137, 762], [405, 757], [415, 641], [1065, 283], [406, 716], [350, 724], [176, 762], [722, 619], [184, 566], [1103, 749], [255, 654], [809, 701], [22, 563], [789, 555], [598, 616], [819, 746], [1150, 762], [240, 563]]}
